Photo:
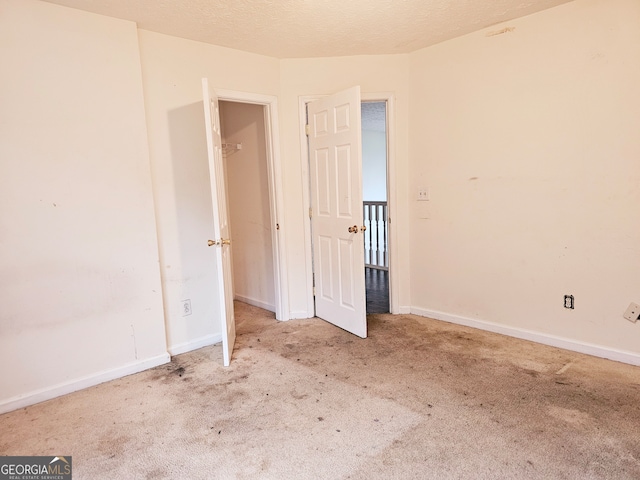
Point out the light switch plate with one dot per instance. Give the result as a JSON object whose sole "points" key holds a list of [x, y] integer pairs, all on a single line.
{"points": [[423, 194]]}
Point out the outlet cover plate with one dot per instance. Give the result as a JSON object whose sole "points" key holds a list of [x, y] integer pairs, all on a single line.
{"points": [[569, 302], [186, 307], [633, 312]]}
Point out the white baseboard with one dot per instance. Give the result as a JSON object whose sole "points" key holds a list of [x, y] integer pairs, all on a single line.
{"points": [[81, 383], [300, 315], [404, 310], [546, 339], [255, 303], [195, 344]]}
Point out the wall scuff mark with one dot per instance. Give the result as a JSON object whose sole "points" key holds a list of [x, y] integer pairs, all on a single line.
{"points": [[135, 346], [500, 32]]}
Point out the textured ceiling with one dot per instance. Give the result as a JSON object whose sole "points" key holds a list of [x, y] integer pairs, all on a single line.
{"points": [[315, 28]]}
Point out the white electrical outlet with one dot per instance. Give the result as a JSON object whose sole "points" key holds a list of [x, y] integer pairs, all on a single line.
{"points": [[186, 307], [633, 312]]}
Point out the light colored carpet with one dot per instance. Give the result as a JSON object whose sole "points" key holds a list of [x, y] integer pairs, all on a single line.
{"points": [[305, 400]]}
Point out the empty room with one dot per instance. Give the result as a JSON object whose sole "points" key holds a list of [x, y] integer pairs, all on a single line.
{"points": [[184, 238]]}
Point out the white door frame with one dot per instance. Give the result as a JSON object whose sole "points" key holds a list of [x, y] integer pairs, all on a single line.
{"points": [[391, 195], [276, 199]]}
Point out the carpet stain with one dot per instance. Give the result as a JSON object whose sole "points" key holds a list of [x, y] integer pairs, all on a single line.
{"points": [[303, 399], [569, 415]]}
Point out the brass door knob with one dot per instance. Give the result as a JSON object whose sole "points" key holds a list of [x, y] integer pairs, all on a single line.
{"points": [[363, 228], [211, 243], [225, 241], [353, 229]]}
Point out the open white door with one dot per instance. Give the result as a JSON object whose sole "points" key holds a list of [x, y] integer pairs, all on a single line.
{"points": [[221, 242], [335, 156]]}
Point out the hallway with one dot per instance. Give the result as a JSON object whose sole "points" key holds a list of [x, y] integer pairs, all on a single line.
{"points": [[377, 286]]}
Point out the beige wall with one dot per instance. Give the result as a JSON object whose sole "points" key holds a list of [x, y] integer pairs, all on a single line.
{"points": [[528, 141], [321, 76], [80, 293], [248, 195], [172, 69], [530, 144]]}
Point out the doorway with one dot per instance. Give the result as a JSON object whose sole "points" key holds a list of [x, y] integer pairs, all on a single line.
{"points": [[244, 155], [390, 291], [375, 205], [266, 138], [219, 199]]}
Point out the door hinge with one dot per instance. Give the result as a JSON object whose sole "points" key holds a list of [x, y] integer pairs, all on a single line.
{"points": [[307, 129], [310, 212]]}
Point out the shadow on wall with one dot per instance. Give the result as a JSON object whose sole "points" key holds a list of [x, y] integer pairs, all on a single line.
{"points": [[188, 263]]}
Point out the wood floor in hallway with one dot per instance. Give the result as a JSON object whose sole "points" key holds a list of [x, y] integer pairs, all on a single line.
{"points": [[377, 286]]}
